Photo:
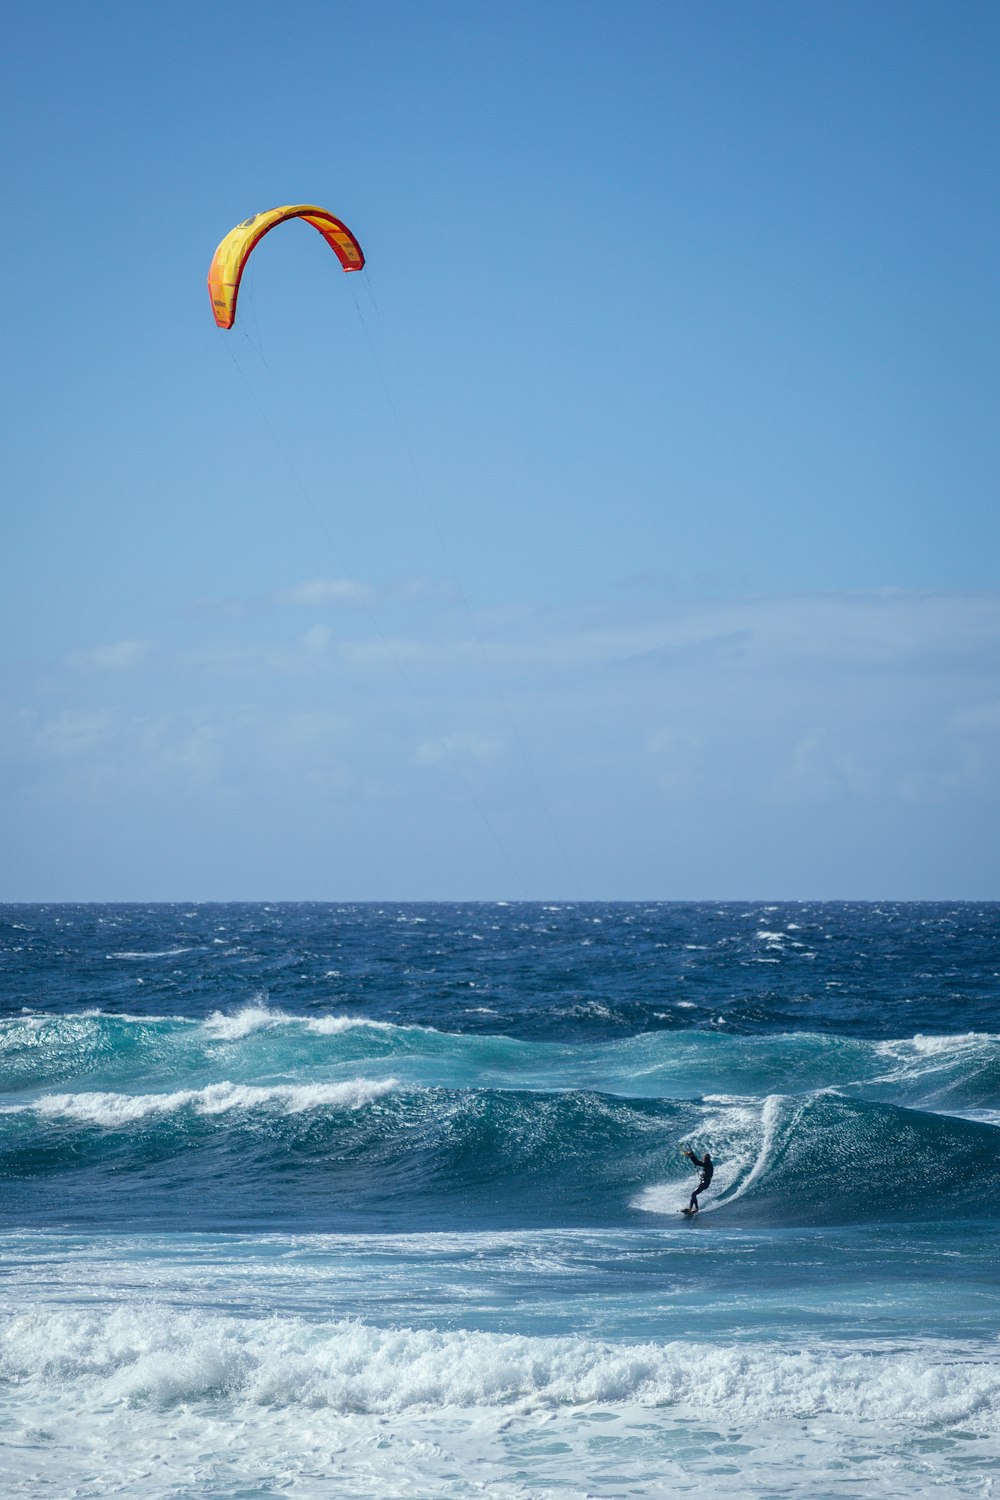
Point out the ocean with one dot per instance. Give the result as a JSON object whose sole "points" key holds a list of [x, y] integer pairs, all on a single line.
{"points": [[319, 1200]]}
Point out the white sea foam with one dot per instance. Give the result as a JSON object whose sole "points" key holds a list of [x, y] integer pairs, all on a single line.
{"points": [[219, 1026], [235, 1025], [334, 1025], [39, 1020], [154, 953], [938, 1063], [93, 1013], [981, 1116], [144, 1353], [24, 1022], [958, 1044], [114, 1110]]}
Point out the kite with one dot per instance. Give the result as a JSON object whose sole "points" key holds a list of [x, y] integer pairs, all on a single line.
{"points": [[232, 255]]}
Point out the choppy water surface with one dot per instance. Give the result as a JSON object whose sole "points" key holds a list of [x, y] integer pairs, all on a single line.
{"points": [[362, 1200]]}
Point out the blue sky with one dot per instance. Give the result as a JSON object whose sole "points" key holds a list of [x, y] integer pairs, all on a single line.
{"points": [[628, 530]]}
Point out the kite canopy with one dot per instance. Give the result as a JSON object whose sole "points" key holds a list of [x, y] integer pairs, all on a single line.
{"points": [[232, 255]]}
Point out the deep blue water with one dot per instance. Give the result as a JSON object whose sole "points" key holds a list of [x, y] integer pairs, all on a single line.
{"points": [[425, 1160]]}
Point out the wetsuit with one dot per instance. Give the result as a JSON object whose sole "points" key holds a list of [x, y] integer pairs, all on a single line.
{"points": [[707, 1168]]}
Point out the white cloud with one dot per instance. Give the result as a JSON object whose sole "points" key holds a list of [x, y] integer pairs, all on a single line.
{"points": [[876, 633], [318, 593], [71, 734], [317, 641], [864, 631], [313, 593], [118, 656], [449, 748], [762, 739]]}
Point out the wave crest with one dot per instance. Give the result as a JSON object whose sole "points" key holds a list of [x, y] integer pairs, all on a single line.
{"points": [[217, 1098]]}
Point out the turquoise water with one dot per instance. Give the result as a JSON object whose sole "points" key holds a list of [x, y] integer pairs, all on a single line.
{"points": [[320, 1200]]}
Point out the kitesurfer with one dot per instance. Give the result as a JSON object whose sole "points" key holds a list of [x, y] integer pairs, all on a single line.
{"points": [[706, 1166]]}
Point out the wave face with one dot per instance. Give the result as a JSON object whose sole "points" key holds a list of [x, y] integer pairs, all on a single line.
{"points": [[347, 1122], [390, 1196]]}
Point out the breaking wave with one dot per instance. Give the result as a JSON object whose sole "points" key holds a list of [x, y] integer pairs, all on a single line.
{"points": [[143, 1353]]}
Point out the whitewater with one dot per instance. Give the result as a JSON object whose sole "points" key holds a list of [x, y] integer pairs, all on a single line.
{"points": [[320, 1200]]}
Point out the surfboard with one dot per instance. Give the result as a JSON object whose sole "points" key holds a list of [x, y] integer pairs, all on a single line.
{"points": [[689, 1213]]}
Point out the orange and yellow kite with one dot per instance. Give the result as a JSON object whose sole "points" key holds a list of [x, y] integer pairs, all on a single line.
{"points": [[232, 255]]}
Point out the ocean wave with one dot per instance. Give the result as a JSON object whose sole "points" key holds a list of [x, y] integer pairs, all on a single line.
{"points": [[492, 1158], [145, 1353], [128, 1053]]}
